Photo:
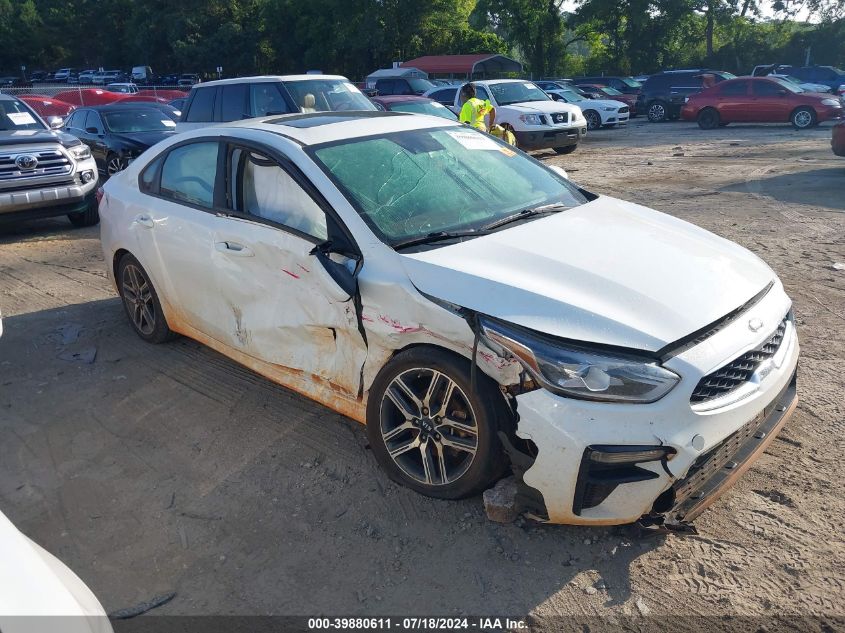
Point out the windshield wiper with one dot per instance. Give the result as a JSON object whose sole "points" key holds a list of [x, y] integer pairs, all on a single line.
{"points": [[525, 214], [438, 236]]}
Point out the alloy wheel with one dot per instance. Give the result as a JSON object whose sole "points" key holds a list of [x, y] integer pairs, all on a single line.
{"points": [[116, 164], [657, 112], [803, 119], [593, 120], [139, 299], [428, 426]]}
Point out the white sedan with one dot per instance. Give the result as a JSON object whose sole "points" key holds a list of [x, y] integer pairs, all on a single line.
{"points": [[471, 306], [597, 112]]}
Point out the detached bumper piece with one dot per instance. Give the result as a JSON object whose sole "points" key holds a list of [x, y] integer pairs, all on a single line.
{"points": [[604, 468], [715, 472]]}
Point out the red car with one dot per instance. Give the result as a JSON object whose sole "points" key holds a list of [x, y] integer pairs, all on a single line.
{"points": [[46, 106], [89, 96], [759, 100], [837, 142], [606, 92]]}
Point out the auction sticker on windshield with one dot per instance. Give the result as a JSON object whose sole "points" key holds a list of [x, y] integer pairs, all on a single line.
{"points": [[21, 118], [473, 140]]}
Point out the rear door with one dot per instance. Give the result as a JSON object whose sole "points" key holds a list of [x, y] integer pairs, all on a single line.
{"points": [[733, 101], [278, 303]]}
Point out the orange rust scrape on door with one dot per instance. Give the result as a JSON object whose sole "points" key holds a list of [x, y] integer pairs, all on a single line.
{"points": [[313, 387]]}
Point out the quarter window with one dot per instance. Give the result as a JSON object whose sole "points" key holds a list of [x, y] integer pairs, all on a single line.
{"points": [[267, 191], [189, 172]]}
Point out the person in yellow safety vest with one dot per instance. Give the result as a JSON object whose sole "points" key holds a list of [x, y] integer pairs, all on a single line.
{"points": [[474, 109]]}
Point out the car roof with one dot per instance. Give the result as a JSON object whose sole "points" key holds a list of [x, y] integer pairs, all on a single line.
{"points": [[487, 82], [401, 98], [268, 78], [112, 107], [322, 127]]}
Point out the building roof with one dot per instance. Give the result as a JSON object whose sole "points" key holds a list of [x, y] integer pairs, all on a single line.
{"points": [[402, 71], [486, 63]]}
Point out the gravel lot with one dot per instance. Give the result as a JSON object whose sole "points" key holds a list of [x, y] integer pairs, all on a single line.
{"points": [[153, 469]]}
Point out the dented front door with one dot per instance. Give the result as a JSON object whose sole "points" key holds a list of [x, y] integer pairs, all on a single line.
{"points": [[278, 303]]}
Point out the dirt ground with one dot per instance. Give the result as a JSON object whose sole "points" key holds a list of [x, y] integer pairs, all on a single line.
{"points": [[151, 469]]}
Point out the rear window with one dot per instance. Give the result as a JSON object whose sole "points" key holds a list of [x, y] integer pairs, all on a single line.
{"points": [[202, 106]]}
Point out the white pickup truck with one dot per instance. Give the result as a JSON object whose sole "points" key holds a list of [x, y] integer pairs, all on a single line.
{"points": [[535, 119]]}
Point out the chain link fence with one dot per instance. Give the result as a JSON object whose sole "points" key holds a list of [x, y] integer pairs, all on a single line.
{"points": [[51, 90]]}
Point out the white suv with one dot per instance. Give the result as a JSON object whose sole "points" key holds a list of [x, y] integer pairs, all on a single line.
{"points": [[537, 121], [246, 97]]}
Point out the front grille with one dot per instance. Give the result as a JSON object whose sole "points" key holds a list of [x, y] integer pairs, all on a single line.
{"points": [[738, 371], [560, 117], [51, 162], [623, 110]]}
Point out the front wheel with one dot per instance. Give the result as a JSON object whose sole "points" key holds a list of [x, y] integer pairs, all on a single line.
{"points": [[430, 430], [115, 164], [593, 119], [566, 150], [803, 118]]}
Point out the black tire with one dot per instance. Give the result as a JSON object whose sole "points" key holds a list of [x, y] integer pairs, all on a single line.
{"points": [[414, 432], [708, 119], [141, 303], [657, 111], [566, 150], [803, 118], [593, 119], [89, 217], [114, 164]]}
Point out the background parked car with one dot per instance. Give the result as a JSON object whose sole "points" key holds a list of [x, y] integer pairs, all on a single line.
{"points": [[606, 92], [625, 85], [837, 141], [169, 111], [62, 75], [444, 95], [124, 88], [760, 100], [403, 86], [117, 134], [142, 75], [88, 96], [598, 112], [86, 76], [48, 108], [233, 99], [413, 104], [663, 95], [38, 77], [827, 75]]}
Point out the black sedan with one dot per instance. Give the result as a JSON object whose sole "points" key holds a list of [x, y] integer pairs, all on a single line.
{"points": [[117, 134]]}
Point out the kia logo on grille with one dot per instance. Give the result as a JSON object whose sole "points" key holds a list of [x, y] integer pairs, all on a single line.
{"points": [[755, 324], [26, 161]]}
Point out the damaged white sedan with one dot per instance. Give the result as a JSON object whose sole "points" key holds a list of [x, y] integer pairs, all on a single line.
{"points": [[471, 306]]}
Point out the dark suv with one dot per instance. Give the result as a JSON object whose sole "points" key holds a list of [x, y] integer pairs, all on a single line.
{"points": [[664, 94], [402, 86], [625, 85], [827, 75]]}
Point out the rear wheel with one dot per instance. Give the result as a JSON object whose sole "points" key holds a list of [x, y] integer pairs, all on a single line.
{"points": [[657, 111], [566, 150], [593, 119], [708, 119], [430, 430], [115, 164], [803, 118], [140, 301]]}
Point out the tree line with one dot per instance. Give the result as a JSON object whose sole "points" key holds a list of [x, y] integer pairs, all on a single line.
{"points": [[355, 37]]}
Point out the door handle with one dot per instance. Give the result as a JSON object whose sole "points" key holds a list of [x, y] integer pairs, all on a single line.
{"points": [[145, 221], [233, 248]]}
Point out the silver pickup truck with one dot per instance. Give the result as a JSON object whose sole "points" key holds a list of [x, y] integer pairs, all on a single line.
{"points": [[43, 172]]}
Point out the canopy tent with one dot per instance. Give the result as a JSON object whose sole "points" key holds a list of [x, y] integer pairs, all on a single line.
{"points": [[401, 71], [465, 66]]}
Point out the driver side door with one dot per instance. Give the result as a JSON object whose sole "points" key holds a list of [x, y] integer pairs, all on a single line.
{"points": [[280, 304]]}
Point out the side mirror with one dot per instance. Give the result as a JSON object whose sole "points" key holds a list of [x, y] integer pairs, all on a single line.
{"points": [[55, 122], [560, 171], [341, 271]]}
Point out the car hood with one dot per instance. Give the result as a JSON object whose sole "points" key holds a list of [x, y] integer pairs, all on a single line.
{"points": [[34, 137], [142, 139], [546, 107], [607, 272], [36, 583]]}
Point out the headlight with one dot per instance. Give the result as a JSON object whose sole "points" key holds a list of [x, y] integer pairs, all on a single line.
{"points": [[532, 119], [609, 109], [831, 102], [80, 152], [576, 371]]}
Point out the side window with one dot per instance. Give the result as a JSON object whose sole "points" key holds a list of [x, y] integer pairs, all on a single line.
{"points": [[265, 98], [267, 191], [202, 106], [93, 121], [481, 93], [385, 86], [825, 74], [403, 87], [766, 89], [233, 102], [189, 172], [73, 120], [740, 88]]}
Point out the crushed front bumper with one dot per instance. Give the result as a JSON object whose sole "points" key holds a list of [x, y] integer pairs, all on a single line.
{"points": [[573, 487], [550, 138]]}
